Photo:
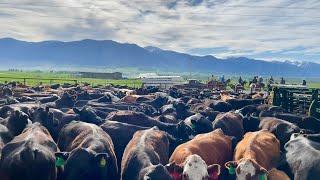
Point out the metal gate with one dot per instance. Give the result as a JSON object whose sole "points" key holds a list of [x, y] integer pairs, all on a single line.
{"points": [[297, 101]]}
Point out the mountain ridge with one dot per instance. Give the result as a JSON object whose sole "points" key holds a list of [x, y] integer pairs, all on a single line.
{"points": [[109, 53]]}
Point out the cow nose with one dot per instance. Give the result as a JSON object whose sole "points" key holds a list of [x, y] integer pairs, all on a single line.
{"points": [[185, 177]]}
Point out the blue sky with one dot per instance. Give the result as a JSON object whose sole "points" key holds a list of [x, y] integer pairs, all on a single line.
{"points": [[270, 30]]}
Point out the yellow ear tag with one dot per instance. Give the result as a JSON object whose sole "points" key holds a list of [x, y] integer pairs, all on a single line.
{"points": [[103, 162]]}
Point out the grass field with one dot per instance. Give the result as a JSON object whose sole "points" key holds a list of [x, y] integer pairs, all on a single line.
{"points": [[65, 77], [60, 77]]}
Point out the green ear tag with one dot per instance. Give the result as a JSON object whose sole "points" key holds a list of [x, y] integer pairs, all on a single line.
{"points": [[103, 162], [232, 170], [59, 162], [263, 177], [193, 127]]}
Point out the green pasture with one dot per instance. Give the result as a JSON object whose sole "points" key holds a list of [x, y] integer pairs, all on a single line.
{"points": [[60, 77], [47, 77]]}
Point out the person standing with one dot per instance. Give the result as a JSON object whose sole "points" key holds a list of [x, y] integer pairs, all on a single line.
{"points": [[304, 82]]}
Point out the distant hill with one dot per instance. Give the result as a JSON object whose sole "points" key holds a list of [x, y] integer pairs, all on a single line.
{"points": [[111, 54]]}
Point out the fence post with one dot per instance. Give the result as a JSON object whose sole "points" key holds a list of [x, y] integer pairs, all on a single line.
{"points": [[24, 81], [291, 102]]}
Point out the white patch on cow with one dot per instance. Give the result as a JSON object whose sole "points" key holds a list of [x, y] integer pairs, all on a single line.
{"points": [[142, 143], [93, 128], [294, 136], [195, 168], [191, 136], [239, 113], [246, 168]]}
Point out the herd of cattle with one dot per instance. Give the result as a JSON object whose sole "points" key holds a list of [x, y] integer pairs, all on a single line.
{"points": [[92, 133]]}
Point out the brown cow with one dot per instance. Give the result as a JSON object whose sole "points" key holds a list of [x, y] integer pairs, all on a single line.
{"points": [[225, 96], [257, 153], [137, 98], [30, 155], [214, 149], [145, 155]]}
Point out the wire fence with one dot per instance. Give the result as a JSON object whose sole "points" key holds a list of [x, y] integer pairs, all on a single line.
{"points": [[28, 81]]}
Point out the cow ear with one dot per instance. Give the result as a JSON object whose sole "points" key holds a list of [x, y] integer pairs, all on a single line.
{"points": [[263, 171], [102, 159], [174, 170], [193, 122], [16, 113], [76, 110], [170, 167], [61, 158], [214, 170]]}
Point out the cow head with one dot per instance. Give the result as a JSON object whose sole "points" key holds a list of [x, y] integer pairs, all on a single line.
{"points": [[247, 110], [181, 108], [184, 131], [303, 135], [155, 172], [159, 101], [66, 101], [250, 123], [222, 106], [5, 111], [17, 121], [84, 164], [195, 168], [88, 115], [167, 109], [246, 169], [46, 118], [283, 131], [83, 96], [200, 124]]}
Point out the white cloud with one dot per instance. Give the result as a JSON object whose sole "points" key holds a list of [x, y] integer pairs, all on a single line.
{"points": [[243, 27]]}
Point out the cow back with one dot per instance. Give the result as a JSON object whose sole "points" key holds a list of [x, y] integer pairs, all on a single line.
{"points": [[213, 148], [261, 146]]}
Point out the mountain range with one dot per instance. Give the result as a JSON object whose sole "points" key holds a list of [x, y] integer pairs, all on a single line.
{"points": [[111, 54]]}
